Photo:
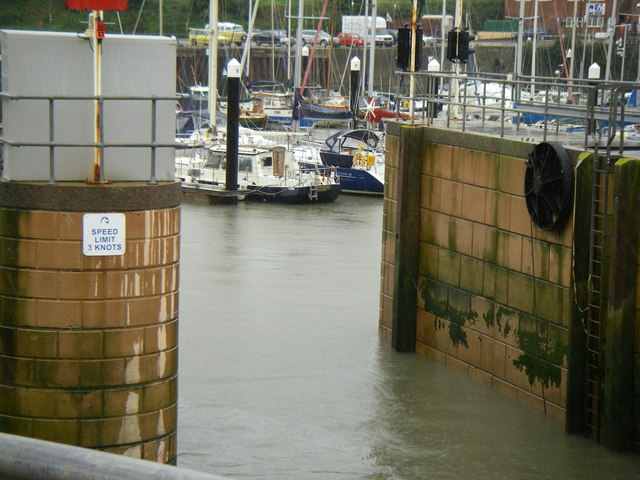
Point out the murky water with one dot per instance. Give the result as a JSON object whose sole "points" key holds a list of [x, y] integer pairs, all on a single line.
{"points": [[283, 374]]}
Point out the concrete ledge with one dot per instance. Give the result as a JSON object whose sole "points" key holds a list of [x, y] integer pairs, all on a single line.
{"points": [[83, 197]]}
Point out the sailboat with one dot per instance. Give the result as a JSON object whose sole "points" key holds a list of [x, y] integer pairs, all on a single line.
{"points": [[266, 170], [353, 155]]}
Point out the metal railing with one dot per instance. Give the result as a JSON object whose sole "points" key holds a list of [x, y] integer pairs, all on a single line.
{"points": [[101, 145], [23, 458], [584, 112]]}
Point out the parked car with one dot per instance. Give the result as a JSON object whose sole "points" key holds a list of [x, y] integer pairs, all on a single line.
{"points": [[324, 39], [228, 33], [268, 38], [383, 39], [265, 38], [348, 40], [231, 33], [284, 38], [393, 33], [199, 36]]}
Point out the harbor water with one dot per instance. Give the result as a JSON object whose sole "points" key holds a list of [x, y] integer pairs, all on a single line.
{"points": [[283, 374]]}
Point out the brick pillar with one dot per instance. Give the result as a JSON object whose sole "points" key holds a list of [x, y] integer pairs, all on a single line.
{"points": [[88, 344]]}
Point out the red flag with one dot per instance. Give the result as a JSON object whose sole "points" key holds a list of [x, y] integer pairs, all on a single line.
{"points": [[105, 5]]}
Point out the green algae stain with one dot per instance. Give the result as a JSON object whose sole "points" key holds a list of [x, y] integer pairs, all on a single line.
{"points": [[435, 298], [453, 237], [542, 356], [432, 295], [502, 320], [490, 316], [457, 319], [457, 335]]}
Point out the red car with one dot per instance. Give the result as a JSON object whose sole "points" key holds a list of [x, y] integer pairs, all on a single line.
{"points": [[348, 40]]}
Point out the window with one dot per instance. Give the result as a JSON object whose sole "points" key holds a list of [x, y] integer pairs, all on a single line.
{"points": [[595, 21], [244, 164], [216, 161], [569, 22]]}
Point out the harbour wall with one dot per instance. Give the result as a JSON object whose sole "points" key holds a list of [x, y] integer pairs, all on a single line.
{"points": [[469, 281]]}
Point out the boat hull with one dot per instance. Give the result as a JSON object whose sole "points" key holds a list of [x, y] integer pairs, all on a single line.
{"points": [[255, 122], [293, 195], [355, 180], [352, 180]]}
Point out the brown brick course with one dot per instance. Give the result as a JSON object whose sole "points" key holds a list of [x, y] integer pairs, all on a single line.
{"points": [[88, 345]]}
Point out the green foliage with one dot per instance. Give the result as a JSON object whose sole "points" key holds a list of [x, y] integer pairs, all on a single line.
{"points": [[52, 15], [180, 15]]}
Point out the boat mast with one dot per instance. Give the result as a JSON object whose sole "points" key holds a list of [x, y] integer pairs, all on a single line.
{"points": [[372, 47], [363, 77], [289, 35], [457, 21], [611, 28], [247, 45], [573, 41], [412, 61], [273, 57], [297, 71], [213, 63], [443, 35], [535, 45], [519, 44], [331, 33]]}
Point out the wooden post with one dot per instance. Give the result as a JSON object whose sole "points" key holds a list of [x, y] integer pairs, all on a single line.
{"points": [[575, 418], [403, 338], [618, 424], [233, 123]]}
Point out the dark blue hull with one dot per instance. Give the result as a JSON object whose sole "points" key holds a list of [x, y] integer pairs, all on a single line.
{"points": [[352, 180], [359, 181]]}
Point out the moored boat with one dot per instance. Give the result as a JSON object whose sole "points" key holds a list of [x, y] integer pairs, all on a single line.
{"points": [[265, 172], [353, 155]]}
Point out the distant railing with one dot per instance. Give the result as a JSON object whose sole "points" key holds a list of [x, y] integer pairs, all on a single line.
{"points": [[52, 144], [600, 113], [23, 458]]}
